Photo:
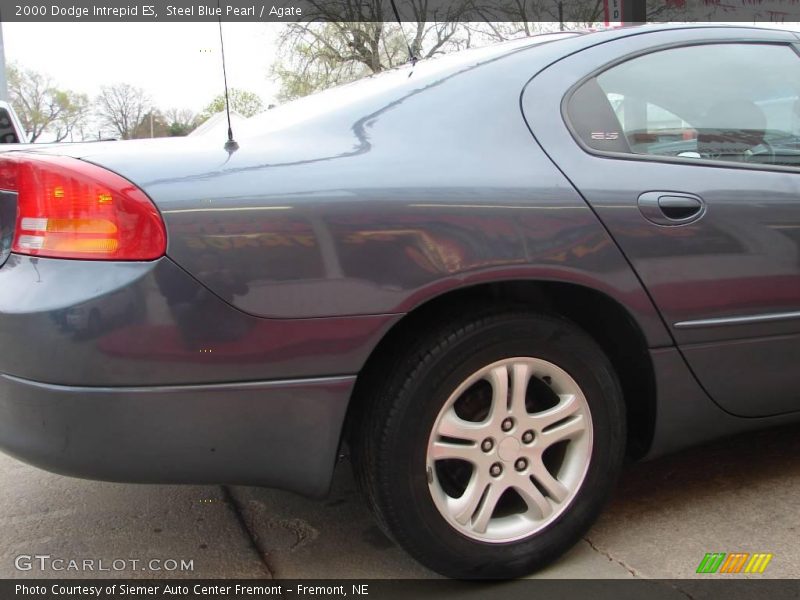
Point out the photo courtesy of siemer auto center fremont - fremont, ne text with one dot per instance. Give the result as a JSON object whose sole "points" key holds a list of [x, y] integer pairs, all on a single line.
{"points": [[400, 299]]}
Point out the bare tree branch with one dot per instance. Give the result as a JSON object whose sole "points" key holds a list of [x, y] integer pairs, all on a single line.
{"points": [[121, 107]]}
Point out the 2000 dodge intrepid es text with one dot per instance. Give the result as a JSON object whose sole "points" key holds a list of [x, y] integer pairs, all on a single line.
{"points": [[495, 275]]}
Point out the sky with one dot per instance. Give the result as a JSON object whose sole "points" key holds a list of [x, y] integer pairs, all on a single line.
{"points": [[177, 64]]}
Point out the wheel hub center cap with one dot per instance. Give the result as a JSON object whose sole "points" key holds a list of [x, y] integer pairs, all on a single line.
{"points": [[508, 450]]}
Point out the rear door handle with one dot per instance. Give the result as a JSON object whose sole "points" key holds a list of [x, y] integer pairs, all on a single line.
{"points": [[671, 208]]}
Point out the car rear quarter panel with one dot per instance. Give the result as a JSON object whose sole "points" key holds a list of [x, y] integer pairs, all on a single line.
{"points": [[377, 207], [94, 323]]}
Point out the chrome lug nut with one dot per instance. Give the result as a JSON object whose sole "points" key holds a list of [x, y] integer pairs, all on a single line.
{"points": [[496, 470], [527, 437], [487, 445], [521, 464], [507, 424]]}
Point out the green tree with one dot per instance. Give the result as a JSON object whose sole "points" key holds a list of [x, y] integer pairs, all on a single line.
{"points": [[181, 121], [243, 102], [43, 107], [153, 125]]}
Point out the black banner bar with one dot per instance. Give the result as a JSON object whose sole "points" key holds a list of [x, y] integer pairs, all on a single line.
{"points": [[581, 12], [711, 587]]}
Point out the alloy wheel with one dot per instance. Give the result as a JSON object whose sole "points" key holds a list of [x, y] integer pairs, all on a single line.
{"points": [[509, 449]]}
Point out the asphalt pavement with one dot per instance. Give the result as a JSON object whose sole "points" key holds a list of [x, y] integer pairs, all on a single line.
{"points": [[737, 495]]}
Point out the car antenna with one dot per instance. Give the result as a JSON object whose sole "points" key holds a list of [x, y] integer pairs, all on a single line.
{"points": [[412, 58], [230, 145]]}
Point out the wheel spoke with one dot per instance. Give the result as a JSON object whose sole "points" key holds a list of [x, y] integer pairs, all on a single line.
{"points": [[564, 431], [486, 510], [463, 507], [554, 488], [519, 379], [441, 450], [567, 406], [498, 377], [455, 427], [533, 497]]}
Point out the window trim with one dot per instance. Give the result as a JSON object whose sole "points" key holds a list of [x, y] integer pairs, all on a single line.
{"points": [[673, 160]]}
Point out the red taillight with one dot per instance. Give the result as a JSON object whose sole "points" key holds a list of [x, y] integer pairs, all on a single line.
{"points": [[68, 208]]}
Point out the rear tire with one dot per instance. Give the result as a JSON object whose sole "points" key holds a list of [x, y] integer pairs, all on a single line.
{"points": [[476, 473]]}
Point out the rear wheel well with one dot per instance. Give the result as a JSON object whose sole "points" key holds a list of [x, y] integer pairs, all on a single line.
{"points": [[609, 323]]}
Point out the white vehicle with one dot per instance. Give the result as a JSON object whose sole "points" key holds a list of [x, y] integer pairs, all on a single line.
{"points": [[11, 130]]}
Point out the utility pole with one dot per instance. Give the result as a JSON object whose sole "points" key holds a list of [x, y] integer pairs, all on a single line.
{"points": [[634, 12], [3, 80]]}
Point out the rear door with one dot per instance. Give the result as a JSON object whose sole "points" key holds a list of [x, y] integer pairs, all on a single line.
{"points": [[687, 145]]}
